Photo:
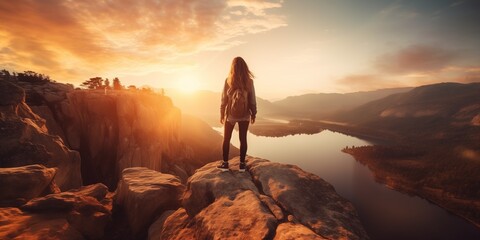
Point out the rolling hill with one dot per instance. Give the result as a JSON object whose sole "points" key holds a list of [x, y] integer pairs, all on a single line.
{"points": [[434, 142], [206, 104], [444, 111], [320, 105]]}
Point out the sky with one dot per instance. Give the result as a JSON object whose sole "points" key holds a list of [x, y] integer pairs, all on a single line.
{"points": [[293, 47]]}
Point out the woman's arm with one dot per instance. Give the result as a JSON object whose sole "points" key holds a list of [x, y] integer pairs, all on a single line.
{"points": [[252, 104], [224, 101]]}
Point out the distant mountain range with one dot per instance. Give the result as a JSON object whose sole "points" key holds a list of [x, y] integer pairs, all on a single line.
{"points": [[436, 112], [206, 104], [320, 105]]}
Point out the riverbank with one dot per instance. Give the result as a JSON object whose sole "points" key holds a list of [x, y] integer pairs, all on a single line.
{"points": [[280, 129], [269, 128], [425, 174]]}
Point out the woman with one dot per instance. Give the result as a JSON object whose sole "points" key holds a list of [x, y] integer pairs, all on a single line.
{"points": [[238, 106]]}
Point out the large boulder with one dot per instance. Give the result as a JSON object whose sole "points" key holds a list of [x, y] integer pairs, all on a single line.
{"points": [[68, 200], [227, 218], [16, 224], [255, 205], [310, 199], [97, 191], [77, 214], [176, 226], [21, 184], [216, 202], [144, 194], [293, 231], [207, 185], [90, 218]]}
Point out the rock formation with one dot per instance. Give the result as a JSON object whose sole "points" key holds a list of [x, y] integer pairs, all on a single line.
{"points": [[21, 184], [78, 214], [124, 129], [25, 140], [121, 129], [144, 194], [292, 231], [270, 201], [329, 215]]}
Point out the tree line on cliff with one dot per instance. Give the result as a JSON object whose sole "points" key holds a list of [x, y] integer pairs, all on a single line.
{"points": [[94, 83]]}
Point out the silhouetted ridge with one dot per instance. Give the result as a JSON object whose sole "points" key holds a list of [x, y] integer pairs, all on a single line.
{"points": [[438, 108]]}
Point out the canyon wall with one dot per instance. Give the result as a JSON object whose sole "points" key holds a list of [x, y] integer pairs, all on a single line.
{"points": [[114, 130], [123, 129]]}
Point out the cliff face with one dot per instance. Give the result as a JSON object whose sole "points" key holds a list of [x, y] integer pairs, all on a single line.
{"points": [[25, 139], [120, 129]]}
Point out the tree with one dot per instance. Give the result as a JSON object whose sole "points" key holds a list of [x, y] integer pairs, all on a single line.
{"points": [[116, 84], [93, 83], [132, 87], [32, 77], [5, 72], [107, 83], [146, 90]]}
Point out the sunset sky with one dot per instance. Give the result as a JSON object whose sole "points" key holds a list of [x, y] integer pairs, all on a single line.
{"points": [[292, 46]]}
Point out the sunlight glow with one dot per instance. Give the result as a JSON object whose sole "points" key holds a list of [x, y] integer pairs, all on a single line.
{"points": [[188, 83]]}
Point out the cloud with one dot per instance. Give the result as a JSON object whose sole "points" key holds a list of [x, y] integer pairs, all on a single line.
{"points": [[363, 82], [415, 65], [72, 38], [397, 11], [414, 59], [464, 69], [467, 78], [457, 3]]}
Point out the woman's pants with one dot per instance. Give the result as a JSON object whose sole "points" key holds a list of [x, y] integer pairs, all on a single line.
{"points": [[227, 135]]}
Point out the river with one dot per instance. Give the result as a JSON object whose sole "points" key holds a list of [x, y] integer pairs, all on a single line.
{"points": [[385, 213]]}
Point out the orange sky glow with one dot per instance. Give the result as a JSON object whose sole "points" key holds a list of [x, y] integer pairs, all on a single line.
{"points": [[292, 46]]}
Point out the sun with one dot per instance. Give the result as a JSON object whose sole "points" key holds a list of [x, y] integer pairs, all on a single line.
{"points": [[188, 83]]}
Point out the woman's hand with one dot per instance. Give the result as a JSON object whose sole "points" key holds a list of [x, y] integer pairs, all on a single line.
{"points": [[222, 120], [252, 119]]}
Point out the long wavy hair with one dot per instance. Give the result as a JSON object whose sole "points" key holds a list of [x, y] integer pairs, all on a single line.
{"points": [[240, 76]]}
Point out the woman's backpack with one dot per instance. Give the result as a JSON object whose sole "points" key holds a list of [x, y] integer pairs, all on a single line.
{"points": [[238, 103]]}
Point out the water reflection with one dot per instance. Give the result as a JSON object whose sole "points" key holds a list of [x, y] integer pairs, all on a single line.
{"points": [[385, 213]]}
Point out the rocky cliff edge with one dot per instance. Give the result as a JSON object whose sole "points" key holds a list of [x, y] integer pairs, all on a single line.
{"points": [[269, 201]]}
